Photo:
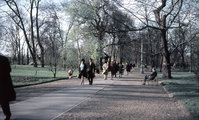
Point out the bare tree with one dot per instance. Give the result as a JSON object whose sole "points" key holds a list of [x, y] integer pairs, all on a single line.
{"points": [[37, 3], [19, 20], [165, 13]]}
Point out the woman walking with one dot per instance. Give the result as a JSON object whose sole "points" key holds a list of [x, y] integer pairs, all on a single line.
{"points": [[82, 71], [105, 70]]}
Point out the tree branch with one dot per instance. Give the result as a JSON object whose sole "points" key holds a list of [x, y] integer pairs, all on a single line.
{"points": [[185, 42], [172, 20]]}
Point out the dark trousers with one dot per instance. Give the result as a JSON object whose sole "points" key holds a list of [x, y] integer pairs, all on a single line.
{"points": [[90, 81], [147, 78], [6, 110]]}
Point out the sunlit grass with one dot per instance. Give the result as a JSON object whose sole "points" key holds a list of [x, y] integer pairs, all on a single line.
{"points": [[27, 75]]}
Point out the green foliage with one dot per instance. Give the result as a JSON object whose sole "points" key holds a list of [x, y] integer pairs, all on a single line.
{"points": [[90, 48], [81, 10], [70, 56], [185, 88]]}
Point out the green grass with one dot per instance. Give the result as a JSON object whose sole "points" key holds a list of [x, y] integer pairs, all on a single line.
{"points": [[21, 73], [185, 86]]}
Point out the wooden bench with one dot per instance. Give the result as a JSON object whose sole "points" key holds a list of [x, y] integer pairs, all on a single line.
{"points": [[154, 80]]}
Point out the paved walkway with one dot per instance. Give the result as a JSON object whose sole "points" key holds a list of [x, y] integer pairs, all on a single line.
{"points": [[120, 99]]}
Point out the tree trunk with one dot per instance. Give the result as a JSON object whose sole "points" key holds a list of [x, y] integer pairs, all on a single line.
{"points": [[19, 57], [166, 67], [34, 56], [19, 49], [27, 57], [161, 61], [183, 61], [78, 52], [38, 36], [55, 72]]}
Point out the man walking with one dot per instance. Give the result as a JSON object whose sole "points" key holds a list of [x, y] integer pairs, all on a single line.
{"points": [[7, 92], [91, 71]]}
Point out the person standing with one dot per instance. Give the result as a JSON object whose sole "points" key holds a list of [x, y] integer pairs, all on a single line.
{"points": [[112, 69], [120, 69], [7, 92], [128, 68], [82, 71], [91, 71], [105, 70], [116, 68]]}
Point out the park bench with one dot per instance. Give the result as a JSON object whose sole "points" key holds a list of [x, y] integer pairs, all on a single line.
{"points": [[154, 80]]}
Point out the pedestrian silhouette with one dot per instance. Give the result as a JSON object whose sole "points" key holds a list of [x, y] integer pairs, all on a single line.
{"points": [[7, 92], [91, 71]]}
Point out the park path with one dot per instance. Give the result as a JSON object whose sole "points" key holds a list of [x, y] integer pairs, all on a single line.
{"points": [[47, 101], [118, 99], [127, 99]]}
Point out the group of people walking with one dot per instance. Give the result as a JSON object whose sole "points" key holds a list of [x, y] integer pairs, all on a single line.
{"points": [[87, 71], [114, 67]]}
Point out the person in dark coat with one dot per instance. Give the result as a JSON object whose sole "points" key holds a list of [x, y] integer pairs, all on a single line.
{"points": [[116, 68], [91, 71], [82, 71], [112, 69], [120, 69], [150, 77], [128, 68], [7, 92]]}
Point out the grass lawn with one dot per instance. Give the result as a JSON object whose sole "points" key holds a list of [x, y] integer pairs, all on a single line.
{"points": [[184, 87], [27, 75]]}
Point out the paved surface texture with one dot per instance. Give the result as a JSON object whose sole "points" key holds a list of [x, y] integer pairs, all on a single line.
{"points": [[120, 99], [47, 101]]}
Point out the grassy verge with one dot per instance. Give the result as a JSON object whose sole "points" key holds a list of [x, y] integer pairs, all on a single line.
{"points": [[23, 75], [184, 87]]}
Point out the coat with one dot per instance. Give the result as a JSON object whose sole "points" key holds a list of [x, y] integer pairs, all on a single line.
{"points": [[121, 69], [153, 75], [91, 70], [83, 72], [128, 68], [105, 69], [113, 68], [7, 92]]}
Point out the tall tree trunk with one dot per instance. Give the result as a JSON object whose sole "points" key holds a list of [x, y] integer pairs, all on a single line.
{"points": [[27, 57], [183, 60], [78, 51], [32, 35], [38, 36], [100, 38], [161, 61], [166, 67]]}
